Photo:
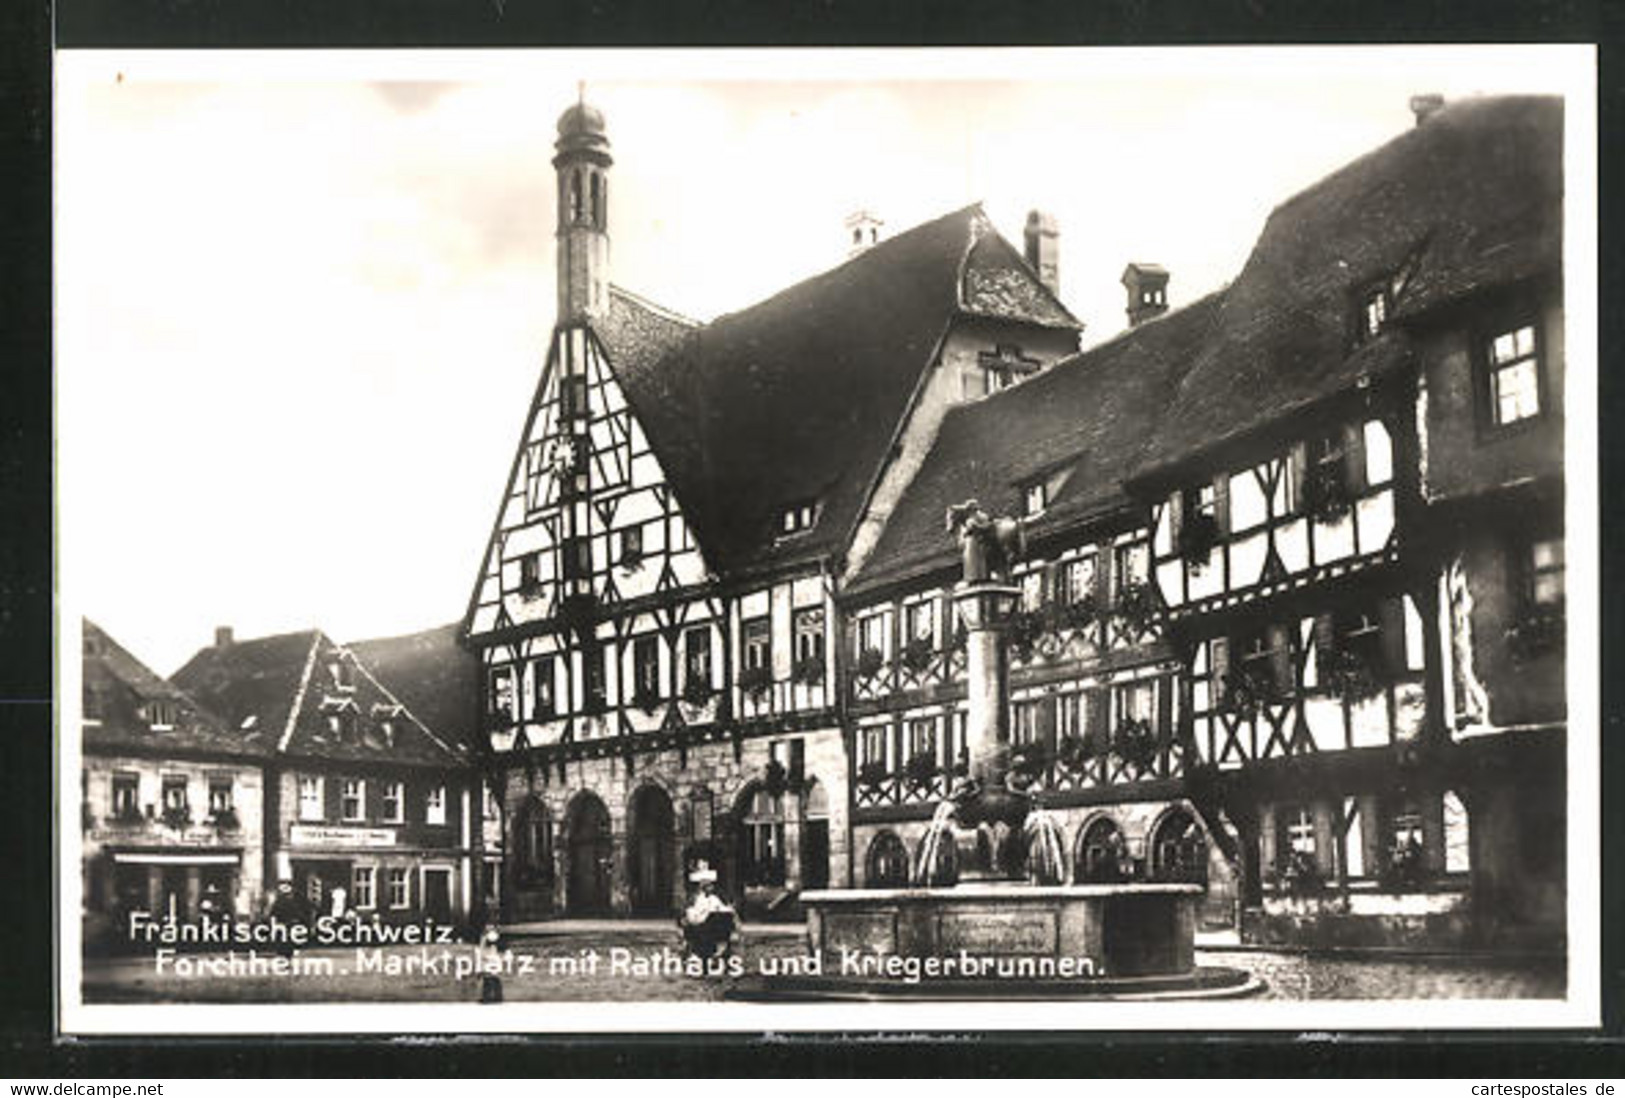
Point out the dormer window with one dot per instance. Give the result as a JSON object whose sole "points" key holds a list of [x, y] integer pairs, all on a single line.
{"points": [[161, 715], [343, 674], [341, 725], [1035, 498], [798, 518], [1374, 307]]}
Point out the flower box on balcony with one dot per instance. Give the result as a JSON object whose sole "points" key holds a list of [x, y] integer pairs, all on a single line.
{"points": [[697, 691], [177, 816], [873, 773], [920, 769], [225, 819], [809, 671], [917, 655], [870, 663], [756, 682]]}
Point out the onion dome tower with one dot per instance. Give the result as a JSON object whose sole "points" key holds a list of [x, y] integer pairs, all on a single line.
{"points": [[582, 161]]}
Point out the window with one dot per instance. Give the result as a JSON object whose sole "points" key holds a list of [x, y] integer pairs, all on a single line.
{"points": [[758, 640], [1133, 564], [919, 620], [489, 805], [592, 663], [394, 803], [872, 634], [1137, 702], [434, 805], [1405, 833], [1514, 375], [399, 894], [310, 797], [530, 574], [502, 692], [798, 518], [352, 799], [631, 546], [1003, 367], [874, 743], [1024, 722], [1546, 572], [646, 668], [1359, 633], [922, 737], [160, 715], [1032, 589], [363, 880], [342, 725], [1077, 580], [1300, 831], [577, 558], [573, 395], [1266, 658], [764, 839], [1071, 714], [541, 687], [1035, 497], [126, 796], [220, 799], [809, 635], [343, 674], [697, 658], [174, 793], [1373, 312]]}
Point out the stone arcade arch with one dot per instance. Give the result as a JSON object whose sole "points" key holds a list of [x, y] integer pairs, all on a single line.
{"points": [[1101, 855], [1178, 848], [887, 863], [590, 856], [651, 851]]}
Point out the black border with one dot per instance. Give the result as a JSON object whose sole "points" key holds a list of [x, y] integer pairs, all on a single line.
{"points": [[26, 554]]}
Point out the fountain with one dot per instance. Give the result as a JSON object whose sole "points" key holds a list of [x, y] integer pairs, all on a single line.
{"points": [[989, 914]]}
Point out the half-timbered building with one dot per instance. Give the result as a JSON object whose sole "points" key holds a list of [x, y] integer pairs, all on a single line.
{"points": [[655, 611]]}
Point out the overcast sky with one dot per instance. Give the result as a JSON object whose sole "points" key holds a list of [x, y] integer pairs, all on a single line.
{"points": [[303, 301]]}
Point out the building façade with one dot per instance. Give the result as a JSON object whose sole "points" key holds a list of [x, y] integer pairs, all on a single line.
{"points": [[1292, 612]]}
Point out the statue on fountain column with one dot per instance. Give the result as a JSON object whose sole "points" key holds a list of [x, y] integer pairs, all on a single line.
{"points": [[988, 546]]}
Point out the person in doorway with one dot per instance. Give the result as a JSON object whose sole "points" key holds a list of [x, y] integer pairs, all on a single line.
{"points": [[709, 924], [288, 909]]}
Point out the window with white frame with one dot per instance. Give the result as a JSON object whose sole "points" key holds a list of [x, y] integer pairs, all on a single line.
{"points": [[1032, 590], [434, 805], [220, 789], [1077, 579], [872, 633], [1133, 564], [1024, 721], [160, 715], [363, 884], [1373, 312], [758, 643], [126, 796], [174, 793], [1514, 375], [919, 620], [310, 797], [352, 799], [922, 737], [1547, 572], [1035, 497], [798, 518], [1137, 701], [1300, 831], [400, 894], [1071, 714], [541, 687], [394, 802], [874, 743], [809, 636]]}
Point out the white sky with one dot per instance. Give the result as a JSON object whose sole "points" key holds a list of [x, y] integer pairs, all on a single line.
{"points": [[303, 299]]}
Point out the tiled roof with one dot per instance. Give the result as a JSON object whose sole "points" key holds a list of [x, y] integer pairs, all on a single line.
{"points": [[1080, 425], [433, 676], [282, 687], [1470, 200], [119, 686], [797, 398]]}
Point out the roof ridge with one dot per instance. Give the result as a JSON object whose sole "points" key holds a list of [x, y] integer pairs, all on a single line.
{"points": [[299, 695]]}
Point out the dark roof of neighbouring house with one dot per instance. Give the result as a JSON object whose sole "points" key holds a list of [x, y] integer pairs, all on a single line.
{"points": [[280, 687], [123, 684], [1083, 422], [433, 676], [1469, 200], [797, 398]]}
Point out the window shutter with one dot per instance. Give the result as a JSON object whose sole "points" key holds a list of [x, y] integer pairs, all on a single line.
{"points": [[1219, 666], [1354, 455], [1051, 591], [1221, 502], [1391, 615], [1176, 519]]}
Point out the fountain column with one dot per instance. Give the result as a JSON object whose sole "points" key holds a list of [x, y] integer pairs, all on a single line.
{"points": [[986, 608]]}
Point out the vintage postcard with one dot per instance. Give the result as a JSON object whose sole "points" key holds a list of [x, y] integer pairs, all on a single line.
{"points": [[770, 540]]}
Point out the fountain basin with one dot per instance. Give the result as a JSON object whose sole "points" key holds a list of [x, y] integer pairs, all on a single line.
{"points": [[1105, 930]]}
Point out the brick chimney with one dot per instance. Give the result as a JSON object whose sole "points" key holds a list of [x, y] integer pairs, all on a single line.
{"points": [[222, 636], [1043, 249], [1147, 286], [1426, 106]]}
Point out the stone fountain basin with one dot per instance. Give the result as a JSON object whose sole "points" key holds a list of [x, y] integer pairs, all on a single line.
{"points": [[1098, 931]]}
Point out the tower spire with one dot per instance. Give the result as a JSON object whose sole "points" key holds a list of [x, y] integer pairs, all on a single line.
{"points": [[582, 161]]}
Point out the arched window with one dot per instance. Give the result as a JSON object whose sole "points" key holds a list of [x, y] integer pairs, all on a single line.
{"points": [[1457, 835], [1102, 855], [575, 195], [887, 863], [762, 856], [1179, 849], [597, 201], [533, 841]]}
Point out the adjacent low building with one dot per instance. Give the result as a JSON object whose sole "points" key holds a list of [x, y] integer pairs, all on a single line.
{"points": [[365, 806], [173, 799]]}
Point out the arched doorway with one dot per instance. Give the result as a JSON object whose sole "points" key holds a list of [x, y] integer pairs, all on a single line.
{"points": [[760, 837], [887, 863], [1102, 854], [650, 854], [531, 844], [591, 854], [1179, 849]]}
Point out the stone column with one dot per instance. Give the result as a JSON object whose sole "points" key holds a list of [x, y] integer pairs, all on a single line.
{"points": [[986, 609]]}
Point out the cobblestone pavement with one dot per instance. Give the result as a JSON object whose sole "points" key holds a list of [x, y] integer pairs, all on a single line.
{"points": [[644, 963]]}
